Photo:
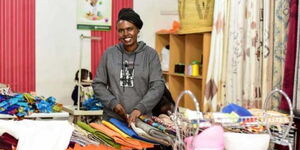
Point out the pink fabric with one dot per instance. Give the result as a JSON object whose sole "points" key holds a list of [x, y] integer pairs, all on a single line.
{"points": [[289, 69], [109, 38], [17, 44], [211, 138]]}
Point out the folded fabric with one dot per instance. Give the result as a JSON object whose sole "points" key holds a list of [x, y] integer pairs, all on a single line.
{"points": [[116, 136], [99, 134], [143, 134], [113, 127], [153, 131], [82, 139], [37, 134], [9, 139], [124, 127], [152, 123], [241, 111], [91, 147]]}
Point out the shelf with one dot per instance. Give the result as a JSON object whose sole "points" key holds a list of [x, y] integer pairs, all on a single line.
{"points": [[39, 115], [165, 72], [184, 49], [193, 77], [177, 74], [73, 111]]}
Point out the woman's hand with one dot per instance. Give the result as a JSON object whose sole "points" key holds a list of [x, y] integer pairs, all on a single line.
{"points": [[133, 116], [119, 109]]}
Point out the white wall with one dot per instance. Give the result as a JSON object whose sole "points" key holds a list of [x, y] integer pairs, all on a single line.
{"points": [[57, 48], [58, 43], [152, 13]]}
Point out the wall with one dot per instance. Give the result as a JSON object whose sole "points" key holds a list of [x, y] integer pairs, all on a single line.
{"points": [[155, 16], [57, 48], [57, 41]]}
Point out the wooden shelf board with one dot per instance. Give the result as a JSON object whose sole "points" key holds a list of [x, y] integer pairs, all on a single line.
{"points": [[194, 77], [165, 72], [177, 74]]}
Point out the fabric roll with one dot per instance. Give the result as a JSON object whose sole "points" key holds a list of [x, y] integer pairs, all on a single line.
{"points": [[153, 131], [143, 134], [124, 127], [113, 127]]}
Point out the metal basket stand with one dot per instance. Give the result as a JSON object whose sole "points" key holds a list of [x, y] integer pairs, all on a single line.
{"points": [[179, 143], [283, 140]]}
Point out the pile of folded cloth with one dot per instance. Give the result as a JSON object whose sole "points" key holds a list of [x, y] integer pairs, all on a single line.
{"points": [[24, 104], [145, 133]]}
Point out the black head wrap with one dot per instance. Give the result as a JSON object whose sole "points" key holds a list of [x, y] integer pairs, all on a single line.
{"points": [[130, 15]]}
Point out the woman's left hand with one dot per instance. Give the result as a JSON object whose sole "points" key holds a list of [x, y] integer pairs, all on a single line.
{"points": [[133, 116]]}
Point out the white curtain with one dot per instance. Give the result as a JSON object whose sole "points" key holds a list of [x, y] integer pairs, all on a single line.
{"points": [[214, 75], [247, 52], [243, 82]]}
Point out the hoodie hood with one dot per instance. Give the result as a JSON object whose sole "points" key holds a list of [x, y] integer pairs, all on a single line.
{"points": [[141, 47]]}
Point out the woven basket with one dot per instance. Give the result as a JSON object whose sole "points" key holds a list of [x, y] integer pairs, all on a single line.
{"points": [[195, 15]]}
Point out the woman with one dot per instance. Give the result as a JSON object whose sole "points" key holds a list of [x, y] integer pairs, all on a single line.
{"points": [[129, 79]]}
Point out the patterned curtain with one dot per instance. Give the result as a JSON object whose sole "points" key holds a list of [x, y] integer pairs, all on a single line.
{"points": [[17, 44], [247, 57], [243, 81], [280, 41], [290, 60], [212, 100]]}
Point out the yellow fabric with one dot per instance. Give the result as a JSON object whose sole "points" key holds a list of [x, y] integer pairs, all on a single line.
{"points": [[111, 126]]}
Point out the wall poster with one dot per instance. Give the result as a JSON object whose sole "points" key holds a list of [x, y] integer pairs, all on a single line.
{"points": [[94, 14]]}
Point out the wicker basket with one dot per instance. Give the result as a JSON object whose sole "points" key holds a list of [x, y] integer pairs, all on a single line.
{"points": [[195, 15]]}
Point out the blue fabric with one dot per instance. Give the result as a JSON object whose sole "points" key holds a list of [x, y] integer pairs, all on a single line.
{"points": [[124, 127], [241, 111]]}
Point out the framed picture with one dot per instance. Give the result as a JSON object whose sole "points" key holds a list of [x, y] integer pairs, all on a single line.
{"points": [[94, 14]]}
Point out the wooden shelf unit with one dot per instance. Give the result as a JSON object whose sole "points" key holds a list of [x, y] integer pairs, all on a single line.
{"points": [[185, 48]]}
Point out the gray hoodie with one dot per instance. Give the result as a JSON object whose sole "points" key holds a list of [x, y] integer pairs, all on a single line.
{"points": [[148, 82]]}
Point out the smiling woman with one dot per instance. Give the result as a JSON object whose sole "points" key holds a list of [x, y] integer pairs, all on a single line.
{"points": [[129, 79]]}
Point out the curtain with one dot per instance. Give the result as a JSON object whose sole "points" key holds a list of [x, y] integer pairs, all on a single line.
{"points": [[280, 41], [268, 46], [297, 68], [108, 38], [17, 44], [289, 69], [213, 85], [243, 81]]}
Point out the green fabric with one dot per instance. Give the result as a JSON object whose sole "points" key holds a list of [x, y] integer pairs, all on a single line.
{"points": [[110, 141]]}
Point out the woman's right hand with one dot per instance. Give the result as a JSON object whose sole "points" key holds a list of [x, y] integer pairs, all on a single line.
{"points": [[119, 109]]}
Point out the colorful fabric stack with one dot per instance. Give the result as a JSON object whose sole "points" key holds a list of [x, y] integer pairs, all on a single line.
{"points": [[105, 134], [25, 104]]}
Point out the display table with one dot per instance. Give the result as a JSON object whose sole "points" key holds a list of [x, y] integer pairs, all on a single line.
{"points": [[73, 110], [57, 115]]}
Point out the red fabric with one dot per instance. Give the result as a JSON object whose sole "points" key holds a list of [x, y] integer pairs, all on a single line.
{"points": [[109, 38], [17, 44], [289, 68]]}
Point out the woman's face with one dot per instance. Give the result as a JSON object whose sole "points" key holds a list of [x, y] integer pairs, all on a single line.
{"points": [[127, 34]]}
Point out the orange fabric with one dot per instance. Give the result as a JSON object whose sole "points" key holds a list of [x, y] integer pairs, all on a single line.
{"points": [[111, 126], [125, 141], [91, 147]]}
